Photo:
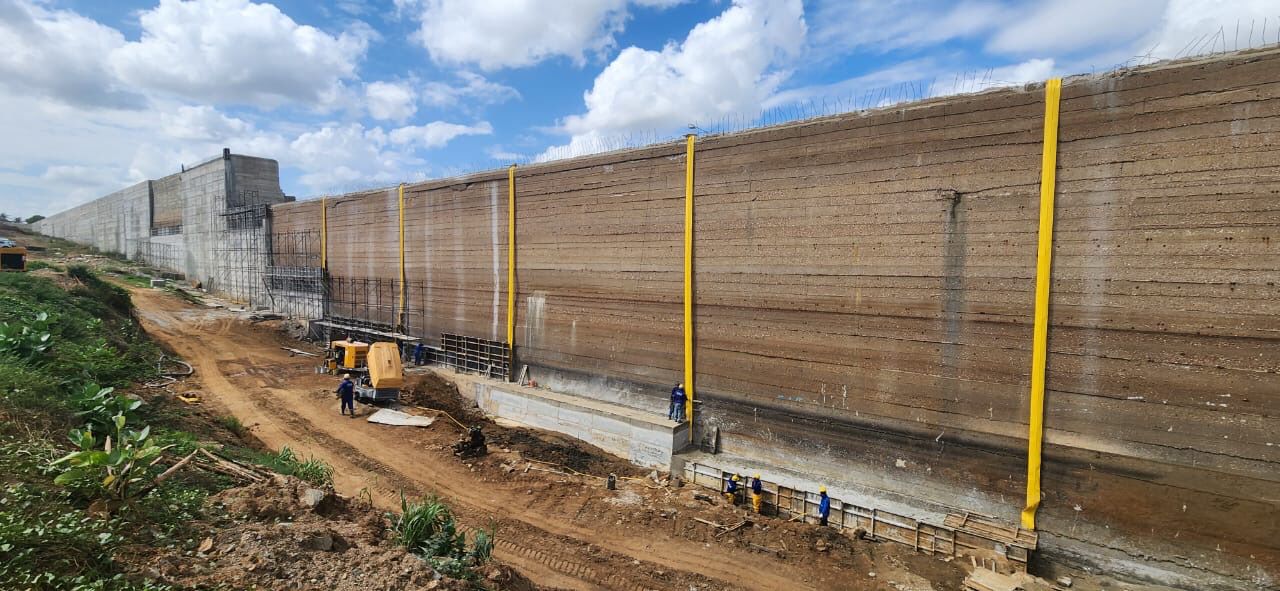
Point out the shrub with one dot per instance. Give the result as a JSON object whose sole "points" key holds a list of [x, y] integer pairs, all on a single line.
{"points": [[427, 528], [233, 425], [312, 470], [114, 472], [26, 340], [99, 407]]}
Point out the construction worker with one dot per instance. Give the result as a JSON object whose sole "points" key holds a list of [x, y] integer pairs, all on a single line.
{"points": [[418, 351], [731, 489], [824, 506], [676, 413], [757, 493], [347, 392]]}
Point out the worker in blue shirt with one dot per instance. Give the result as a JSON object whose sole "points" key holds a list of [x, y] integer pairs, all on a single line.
{"points": [[757, 493], [676, 412], [347, 392], [824, 506], [418, 350], [731, 489]]}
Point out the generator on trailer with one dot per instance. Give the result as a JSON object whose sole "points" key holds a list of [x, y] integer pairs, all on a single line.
{"points": [[375, 368], [384, 375]]}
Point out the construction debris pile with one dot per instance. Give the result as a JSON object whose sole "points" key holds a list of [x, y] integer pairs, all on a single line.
{"points": [[282, 533]]}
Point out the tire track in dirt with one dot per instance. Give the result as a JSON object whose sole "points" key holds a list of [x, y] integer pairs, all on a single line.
{"points": [[550, 551]]}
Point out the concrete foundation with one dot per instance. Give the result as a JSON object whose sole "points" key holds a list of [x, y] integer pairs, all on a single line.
{"points": [[646, 439]]}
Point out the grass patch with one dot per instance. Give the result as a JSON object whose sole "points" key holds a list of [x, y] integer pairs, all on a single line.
{"points": [[233, 425], [427, 528], [37, 265], [312, 470], [93, 338]]}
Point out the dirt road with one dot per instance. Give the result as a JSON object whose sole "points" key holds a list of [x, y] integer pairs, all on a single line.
{"points": [[560, 531]]}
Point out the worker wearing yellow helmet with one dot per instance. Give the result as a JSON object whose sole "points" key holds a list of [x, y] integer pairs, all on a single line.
{"points": [[731, 489], [824, 505], [757, 493]]}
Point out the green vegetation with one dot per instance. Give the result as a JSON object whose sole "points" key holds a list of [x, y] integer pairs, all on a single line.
{"points": [[114, 471], [69, 349], [427, 528], [99, 407], [312, 470], [128, 276], [59, 340], [37, 265], [233, 425], [66, 345]]}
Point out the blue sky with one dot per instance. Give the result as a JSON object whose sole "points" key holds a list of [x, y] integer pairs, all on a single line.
{"points": [[95, 95]]}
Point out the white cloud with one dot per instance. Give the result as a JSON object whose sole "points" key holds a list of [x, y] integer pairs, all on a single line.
{"points": [[1198, 26], [877, 26], [500, 153], [474, 89], [436, 134], [76, 174], [336, 158], [59, 54], [729, 64], [390, 100], [202, 123], [236, 51], [1032, 70], [495, 34], [347, 157], [1068, 26]]}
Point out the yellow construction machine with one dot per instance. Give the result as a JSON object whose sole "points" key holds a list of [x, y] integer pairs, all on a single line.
{"points": [[375, 368], [13, 258], [346, 357]]}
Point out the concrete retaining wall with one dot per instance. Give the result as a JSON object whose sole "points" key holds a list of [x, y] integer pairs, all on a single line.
{"points": [[646, 439], [864, 291]]}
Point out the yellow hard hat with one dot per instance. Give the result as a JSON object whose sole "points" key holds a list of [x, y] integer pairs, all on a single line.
{"points": [[680, 385], [735, 477], [756, 476], [822, 489]]}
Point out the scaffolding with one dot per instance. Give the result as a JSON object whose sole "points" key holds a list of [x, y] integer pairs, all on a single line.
{"points": [[362, 308], [293, 280], [163, 257], [476, 355], [238, 235]]}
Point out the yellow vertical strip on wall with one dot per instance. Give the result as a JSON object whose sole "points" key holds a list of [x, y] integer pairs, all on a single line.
{"points": [[324, 233], [400, 305], [688, 282], [1040, 337], [511, 258]]}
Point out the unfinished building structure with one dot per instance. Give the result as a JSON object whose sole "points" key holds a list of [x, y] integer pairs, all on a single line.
{"points": [[207, 223], [852, 300]]}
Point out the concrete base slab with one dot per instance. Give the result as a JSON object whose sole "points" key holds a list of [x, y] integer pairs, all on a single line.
{"points": [[645, 439]]}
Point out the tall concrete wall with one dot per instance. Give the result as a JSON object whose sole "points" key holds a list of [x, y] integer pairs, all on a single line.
{"points": [[179, 222], [864, 296], [111, 223]]}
